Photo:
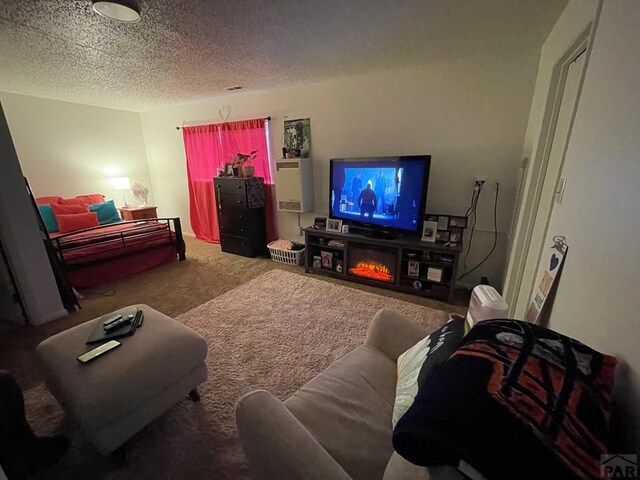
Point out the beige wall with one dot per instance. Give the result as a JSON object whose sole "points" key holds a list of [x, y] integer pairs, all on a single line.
{"points": [[469, 114], [597, 299], [69, 149], [575, 19]]}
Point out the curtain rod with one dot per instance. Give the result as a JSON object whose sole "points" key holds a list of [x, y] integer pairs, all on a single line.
{"points": [[268, 119]]}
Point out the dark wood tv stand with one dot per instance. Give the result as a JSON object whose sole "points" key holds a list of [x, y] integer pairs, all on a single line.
{"points": [[393, 254]]}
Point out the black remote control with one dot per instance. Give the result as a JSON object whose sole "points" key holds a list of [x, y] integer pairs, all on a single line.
{"points": [[118, 323], [111, 320]]}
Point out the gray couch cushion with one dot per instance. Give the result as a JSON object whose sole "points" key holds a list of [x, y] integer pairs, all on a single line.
{"points": [[400, 469], [348, 408]]}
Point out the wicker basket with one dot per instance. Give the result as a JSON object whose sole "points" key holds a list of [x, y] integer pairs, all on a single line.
{"points": [[290, 257]]}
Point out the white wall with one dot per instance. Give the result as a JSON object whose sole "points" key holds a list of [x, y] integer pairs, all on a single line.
{"points": [[23, 241], [469, 114], [69, 149], [575, 19], [597, 299]]}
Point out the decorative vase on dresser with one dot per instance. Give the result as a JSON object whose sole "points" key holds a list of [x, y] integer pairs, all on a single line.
{"points": [[241, 215]]}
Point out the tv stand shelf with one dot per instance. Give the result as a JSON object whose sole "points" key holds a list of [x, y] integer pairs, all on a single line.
{"points": [[387, 261]]}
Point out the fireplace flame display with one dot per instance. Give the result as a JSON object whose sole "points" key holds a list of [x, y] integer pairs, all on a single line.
{"points": [[373, 270]]}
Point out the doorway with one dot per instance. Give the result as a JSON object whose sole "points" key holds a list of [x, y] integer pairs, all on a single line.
{"points": [[546, 185]]}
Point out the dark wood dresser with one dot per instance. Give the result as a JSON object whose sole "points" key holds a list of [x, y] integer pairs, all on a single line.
{"points": [[241, 215]]}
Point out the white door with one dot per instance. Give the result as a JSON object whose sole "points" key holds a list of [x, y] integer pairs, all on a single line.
{"points": [[552, 181]]}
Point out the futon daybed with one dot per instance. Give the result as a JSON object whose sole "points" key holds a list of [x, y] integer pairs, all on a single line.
{"points": [[95, 246], [102, 254]]}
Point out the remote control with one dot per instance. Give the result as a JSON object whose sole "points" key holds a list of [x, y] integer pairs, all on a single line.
{"points": [[96, 352], [109, 321], [118, 323]]}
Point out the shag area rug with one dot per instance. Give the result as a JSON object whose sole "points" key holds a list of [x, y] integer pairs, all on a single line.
{"points": [[275, 332]]}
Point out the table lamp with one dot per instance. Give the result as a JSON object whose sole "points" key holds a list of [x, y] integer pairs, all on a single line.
{"points": [[122, 183]]}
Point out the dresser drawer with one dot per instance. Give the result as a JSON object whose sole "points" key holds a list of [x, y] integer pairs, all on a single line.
{"points": [[234, 186], [238, 245], [232, 202], [234, 229]]}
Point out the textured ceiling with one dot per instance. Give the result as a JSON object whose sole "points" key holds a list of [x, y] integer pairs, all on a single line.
{"points": [[183, 51]]}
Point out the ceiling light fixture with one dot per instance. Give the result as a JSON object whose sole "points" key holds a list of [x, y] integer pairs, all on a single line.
{"points": [[127, 11]]}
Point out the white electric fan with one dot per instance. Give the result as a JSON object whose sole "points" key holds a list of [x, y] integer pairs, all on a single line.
{"points": [[140, 192]]}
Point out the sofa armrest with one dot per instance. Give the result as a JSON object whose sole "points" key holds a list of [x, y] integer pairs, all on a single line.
{"points": [[277, 445], [392, 333]]}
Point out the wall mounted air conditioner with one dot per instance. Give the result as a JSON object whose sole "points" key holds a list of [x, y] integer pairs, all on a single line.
{"points": [[294, 185]]}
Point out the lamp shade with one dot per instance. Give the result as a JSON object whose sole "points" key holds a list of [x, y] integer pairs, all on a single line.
{"points": [[127, 11], [121, 183]]}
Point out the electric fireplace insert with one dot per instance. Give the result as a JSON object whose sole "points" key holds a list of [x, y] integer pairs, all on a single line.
{"points": [[374, 263]]}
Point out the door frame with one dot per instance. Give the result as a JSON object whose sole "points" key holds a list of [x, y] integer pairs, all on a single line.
{"points": [[523, 243]]}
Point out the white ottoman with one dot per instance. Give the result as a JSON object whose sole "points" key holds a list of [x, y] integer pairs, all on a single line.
{"points": [[116, 395]]}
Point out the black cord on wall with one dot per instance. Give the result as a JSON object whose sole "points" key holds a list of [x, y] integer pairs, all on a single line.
{"points": [[495, 235], [471, 212]]}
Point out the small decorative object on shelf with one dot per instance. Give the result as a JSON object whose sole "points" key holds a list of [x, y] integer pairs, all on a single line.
{"points": [[442, 236], [242, 164], [317, 261], [434, 274], [320, 223], [327, 260], [413, 269], [334, 225], [456, 235], [450, 229], [335, 243], [429, 230]]}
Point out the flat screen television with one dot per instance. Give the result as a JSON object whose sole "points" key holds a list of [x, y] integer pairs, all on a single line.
{"points": [[380, 193]]}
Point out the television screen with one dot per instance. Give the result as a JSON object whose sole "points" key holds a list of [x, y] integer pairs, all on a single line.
{"points": [[389, 192]]}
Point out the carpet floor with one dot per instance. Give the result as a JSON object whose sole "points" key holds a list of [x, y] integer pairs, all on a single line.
{"points": [[173, 289], [275, 332]]}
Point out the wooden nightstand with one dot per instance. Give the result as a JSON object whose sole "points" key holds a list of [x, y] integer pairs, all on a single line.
{"points": [[138, 213]]}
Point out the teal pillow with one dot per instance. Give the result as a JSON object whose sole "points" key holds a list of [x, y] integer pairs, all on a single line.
{"points": [[107, 212], [48, 218]]}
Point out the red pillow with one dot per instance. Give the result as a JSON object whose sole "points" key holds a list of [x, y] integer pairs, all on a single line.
{"points": [[48, 200], [92, 198], [73, 201], [68, 209], [83, 199], [76, 221]]}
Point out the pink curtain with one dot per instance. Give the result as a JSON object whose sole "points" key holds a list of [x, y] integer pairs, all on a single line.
{"points": [[209, 147]]}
